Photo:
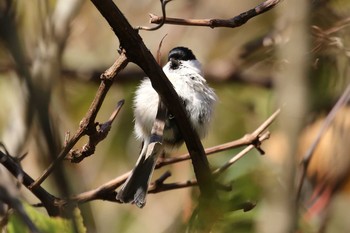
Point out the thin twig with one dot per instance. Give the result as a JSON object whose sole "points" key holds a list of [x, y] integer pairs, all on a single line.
{"points": [[103, 192], [234, 159], [213, 23], [154, 188], [87, 125], [245, 140], [160, 186], [77, 155], [345, 97], [163, 4]]}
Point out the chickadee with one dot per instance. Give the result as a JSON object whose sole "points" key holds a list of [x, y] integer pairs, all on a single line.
{"points": [[184, 72]]}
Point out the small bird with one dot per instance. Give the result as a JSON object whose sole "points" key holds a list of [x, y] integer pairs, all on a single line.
{"points": [[184, 72]]}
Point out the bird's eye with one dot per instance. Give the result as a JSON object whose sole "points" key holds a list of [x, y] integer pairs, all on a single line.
{"points": [[193, 78], [174, 64]]}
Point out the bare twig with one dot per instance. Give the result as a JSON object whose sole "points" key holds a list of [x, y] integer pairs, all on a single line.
{"points": [[213, 23], [240, 154], [162, 178], [161, 23], [104, 192], [77, 155], [246, 140], [345, 97], [87, 125], [160, 186], [157, 188]]}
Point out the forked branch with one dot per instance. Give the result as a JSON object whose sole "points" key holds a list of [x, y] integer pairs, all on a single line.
{"points": [[87, 125], [213, 23]]}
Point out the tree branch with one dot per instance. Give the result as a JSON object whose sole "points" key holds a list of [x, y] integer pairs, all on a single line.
{"points": [[245, 140], [104, 192], [223, 168], [77, 155], [161, 23], [236, 21], [87, 125]]}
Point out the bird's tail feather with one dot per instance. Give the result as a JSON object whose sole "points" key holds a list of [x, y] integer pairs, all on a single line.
{"points": [[136, 186]]}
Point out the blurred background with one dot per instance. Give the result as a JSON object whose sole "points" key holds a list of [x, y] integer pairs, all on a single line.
{"points": [[53, 52]]}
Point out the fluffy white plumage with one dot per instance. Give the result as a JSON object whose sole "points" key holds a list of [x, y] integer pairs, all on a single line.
{"points": [[191, 87]]}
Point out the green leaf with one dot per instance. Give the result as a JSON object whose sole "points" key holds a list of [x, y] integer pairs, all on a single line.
{"points": [[44, 223]]}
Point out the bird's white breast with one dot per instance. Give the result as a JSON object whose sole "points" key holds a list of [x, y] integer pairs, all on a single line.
{"points": [[190, 86]]}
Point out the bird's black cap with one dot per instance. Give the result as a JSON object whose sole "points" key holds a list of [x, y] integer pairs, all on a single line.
{"points": [[181, 53]]}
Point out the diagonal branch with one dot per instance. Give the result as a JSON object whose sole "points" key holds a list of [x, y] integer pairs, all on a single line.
{"points": [[77, 155], [87, 125], [245, 140], [137, 52], [236, 21], [234, 159]]}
